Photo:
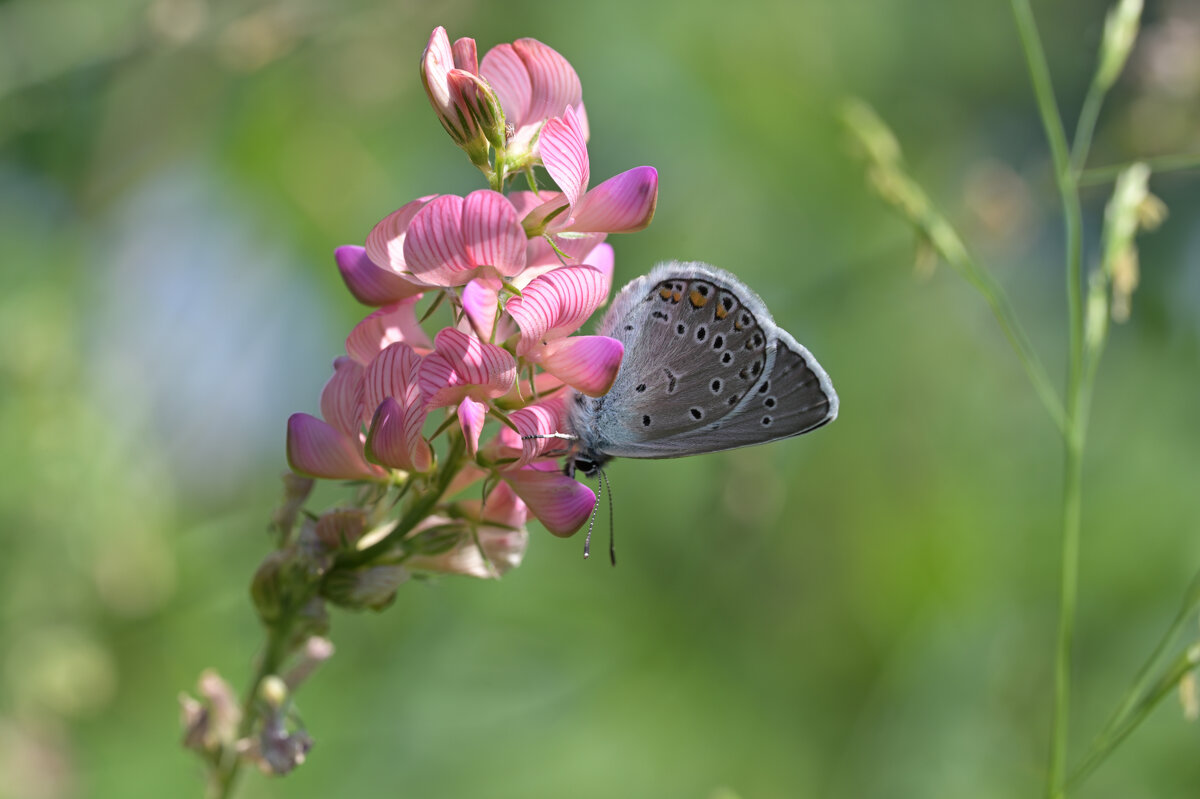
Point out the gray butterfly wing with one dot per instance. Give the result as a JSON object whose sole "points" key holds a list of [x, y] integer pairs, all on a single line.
{"points": [[705, 369]]}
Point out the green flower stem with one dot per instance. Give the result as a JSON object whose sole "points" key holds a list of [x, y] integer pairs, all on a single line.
{"points": [[416, 513], [1166, 163], [1088, 115], [1076, 396], [1138, 710]]}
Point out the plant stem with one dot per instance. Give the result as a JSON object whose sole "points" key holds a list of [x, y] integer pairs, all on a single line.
{"points": [[1075, 396], [1166, 163], [1088, 115]]}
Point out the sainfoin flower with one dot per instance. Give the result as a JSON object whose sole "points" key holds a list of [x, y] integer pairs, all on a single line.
{"points": [[506, 281]]}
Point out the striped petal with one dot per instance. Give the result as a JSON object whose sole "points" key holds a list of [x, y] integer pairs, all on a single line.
{"points": [[561, 504], [471, 416], [465, 56], [553, 81], [556, 304], [565, 156], [540, 419], [622, 204], [586, 363], [601, 258], [504, 70], [464, 366], [385, 242], [342, 397], [434, 249], [503, 506], [436, 62], [370, 284], [480, 300], [391, 323], [395, 373], [317, 449], [394, 439], [492, 232]]}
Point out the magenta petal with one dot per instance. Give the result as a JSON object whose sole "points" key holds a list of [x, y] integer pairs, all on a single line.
{"points": [[558, 502], [434, 249], [342, 397], [317, 449], [503, 506], [385, 242], [465, 366], [542, 419], [554, 83], [622, 204], [369, 284], [391, 323], [394, 439], [586, 363], [503, 69], [492, 232], [471, 416], [564, 154], [556, 304]]}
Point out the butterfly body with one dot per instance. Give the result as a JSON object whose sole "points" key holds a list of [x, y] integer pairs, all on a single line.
{"points": [[705, 369]]}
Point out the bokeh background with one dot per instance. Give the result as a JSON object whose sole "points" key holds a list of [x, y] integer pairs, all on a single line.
{"points": [[868, 611]]}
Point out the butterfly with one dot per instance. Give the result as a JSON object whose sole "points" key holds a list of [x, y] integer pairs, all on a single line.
{"points": [[705, 369]]}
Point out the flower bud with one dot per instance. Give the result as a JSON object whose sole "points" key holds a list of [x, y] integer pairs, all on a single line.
{"points": [[340, 529], [285, 581], [372, 587], [1120, 30], [1132, 207], [296, 489]]}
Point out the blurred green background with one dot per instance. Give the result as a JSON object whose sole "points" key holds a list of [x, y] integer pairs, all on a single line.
{"points": [[868, 611]]}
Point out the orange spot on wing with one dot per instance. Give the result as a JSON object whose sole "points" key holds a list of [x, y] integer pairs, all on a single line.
{"points": [[677, 296], [665, 294], [721, 312], [698, 300]]}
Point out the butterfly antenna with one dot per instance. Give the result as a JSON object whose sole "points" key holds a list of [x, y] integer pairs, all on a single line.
{"points": [[587, 542], [612, 547]]}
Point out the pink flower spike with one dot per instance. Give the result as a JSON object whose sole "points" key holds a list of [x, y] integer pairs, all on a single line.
{"points": [[394, 439], [561, 504], [391, 323], [471, 416], [342, 397], [370, 284], [385, 242], [586, 363], [463, 366], [317, 449], [565, 156], [622, 204], [556, 304]]}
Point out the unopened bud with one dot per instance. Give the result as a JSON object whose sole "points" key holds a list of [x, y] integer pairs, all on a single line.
{"points": [[317, 650], [296, 490], [285, 581], [372, 587], [341, 529], [1120, 31]]}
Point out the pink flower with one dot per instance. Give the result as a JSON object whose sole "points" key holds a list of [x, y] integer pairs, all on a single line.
{"points": [[492, 543], [551, 308], [467, 107], [622, 204], [452, 239], [534, 83], [464, 371], [560, 503]]}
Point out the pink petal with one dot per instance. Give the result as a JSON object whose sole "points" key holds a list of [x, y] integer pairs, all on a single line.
{"points": [[471, 416], [394, 373], [622, 204], [540, 419], [465, 55], [558, 502], [504, 70], [526, 201], [317, 449], [436, 61], [370, 284], [564, 154], [492, 232], [601, 259], [464, 366], [503, 506], [385, 242], [556, 304], [342, 397], [541, 258], [391, 323], [553, 81], [480, 300], [537, 216], [434, 249], [394, 439], [586, 363]]}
